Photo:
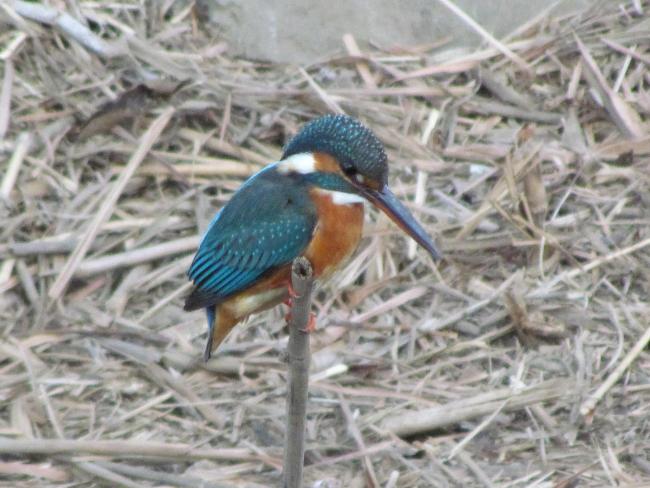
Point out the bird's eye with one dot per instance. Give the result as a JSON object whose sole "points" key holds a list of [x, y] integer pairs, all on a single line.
{"points": [[352, 173]]}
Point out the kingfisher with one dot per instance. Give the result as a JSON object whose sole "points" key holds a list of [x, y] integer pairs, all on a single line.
{"points": [[309, 203]]}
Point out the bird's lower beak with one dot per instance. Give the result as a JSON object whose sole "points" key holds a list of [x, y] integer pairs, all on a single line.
{"points": [[385, 200]]}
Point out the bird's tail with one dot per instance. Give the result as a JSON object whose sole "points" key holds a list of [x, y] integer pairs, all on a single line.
{"points": [[220, 323]]}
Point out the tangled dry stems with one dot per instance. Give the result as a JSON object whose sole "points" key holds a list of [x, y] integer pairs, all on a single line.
{"points": [[520, 361]]}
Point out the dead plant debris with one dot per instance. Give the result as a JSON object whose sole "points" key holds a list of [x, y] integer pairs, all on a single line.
{"points": [[521, 360]]}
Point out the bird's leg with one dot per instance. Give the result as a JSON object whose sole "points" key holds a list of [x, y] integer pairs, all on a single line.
{"points": [[287, 316], [311, 324], [292, 294]]}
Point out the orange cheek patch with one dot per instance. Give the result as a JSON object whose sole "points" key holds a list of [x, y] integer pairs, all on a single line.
{"points": [[326, 163]]}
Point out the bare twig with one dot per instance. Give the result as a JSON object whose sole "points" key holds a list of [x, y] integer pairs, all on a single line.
{"points": [[588, 406], [430, 325], [159, 476], [113, 478], [110, 262], [68, 25], [299, 359], [444, 415], [476, 27], [5, 97], [358, 438], [67, 241], [322, 94], [123, 449], [622, 114], [502, 90], [27, 282], [543, 288], [184, 392], [362, 67], [22, 147], [475, 469]]}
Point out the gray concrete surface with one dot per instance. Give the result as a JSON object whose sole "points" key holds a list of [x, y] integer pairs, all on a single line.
{"points": [[295, 31]]}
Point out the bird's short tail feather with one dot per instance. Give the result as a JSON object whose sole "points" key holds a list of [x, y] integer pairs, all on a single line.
{"points": [[210, 312], [220, 323]]}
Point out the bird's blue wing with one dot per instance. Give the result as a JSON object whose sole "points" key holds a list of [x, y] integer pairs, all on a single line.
{"points": [[264, 226]]}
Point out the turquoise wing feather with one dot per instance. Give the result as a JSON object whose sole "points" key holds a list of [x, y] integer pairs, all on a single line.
{"points": [[265, 225]]}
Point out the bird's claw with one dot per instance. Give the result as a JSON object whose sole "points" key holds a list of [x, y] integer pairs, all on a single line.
{"points": [[292, 294], [311, 324]]}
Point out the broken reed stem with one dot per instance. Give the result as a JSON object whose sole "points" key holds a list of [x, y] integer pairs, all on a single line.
{"points": [[107, 207], [68, 25], [508, 399], [298, 381], [589, 405], [125, 449]]}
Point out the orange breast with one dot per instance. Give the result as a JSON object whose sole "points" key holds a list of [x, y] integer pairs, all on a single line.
{"points": [[336, 236], [337, 233]]}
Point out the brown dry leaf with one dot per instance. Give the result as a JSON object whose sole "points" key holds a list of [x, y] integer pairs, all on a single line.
{"points": [[128, 105], [532, 324], [535, 193]]}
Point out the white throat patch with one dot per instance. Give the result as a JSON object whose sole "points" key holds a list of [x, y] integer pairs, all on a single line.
{"points": [[342, 198]]}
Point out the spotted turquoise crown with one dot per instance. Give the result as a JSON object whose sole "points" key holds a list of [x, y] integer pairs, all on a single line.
{"points": [[347, 140]]}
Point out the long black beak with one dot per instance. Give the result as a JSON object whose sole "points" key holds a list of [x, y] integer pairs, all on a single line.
{"points": [[385, 200]]}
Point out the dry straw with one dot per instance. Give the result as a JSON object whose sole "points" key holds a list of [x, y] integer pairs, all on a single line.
{"points": [[521, 360]]}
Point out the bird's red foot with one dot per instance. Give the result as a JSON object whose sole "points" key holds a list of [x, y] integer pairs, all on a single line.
{"points": [[292, 294], [311, 324]]}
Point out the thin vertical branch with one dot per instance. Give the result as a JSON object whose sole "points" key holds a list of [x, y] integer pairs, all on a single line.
{"points": [[298, 358]]}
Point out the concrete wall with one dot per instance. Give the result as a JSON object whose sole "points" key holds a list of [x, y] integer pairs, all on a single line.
{"points": [[296, 31]]}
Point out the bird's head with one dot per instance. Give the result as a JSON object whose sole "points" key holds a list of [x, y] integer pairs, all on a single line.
{"points": [[338, 153]]}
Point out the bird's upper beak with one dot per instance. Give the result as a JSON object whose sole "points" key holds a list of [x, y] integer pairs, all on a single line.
{"points": [[385, 200]]}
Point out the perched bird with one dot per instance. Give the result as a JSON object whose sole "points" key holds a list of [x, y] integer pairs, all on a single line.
{"points": [[310, 203]]}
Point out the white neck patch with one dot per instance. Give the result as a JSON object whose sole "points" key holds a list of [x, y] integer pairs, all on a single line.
{"points": [[341, 197], [303, 163]]}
